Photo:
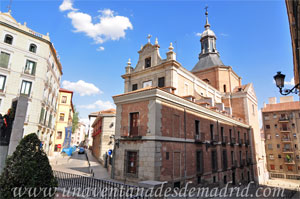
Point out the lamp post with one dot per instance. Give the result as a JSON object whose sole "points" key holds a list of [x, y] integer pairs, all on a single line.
{"points": [[279, 79]]}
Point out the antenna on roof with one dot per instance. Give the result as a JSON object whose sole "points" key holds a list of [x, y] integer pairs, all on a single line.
{"points": [[9, 6]]}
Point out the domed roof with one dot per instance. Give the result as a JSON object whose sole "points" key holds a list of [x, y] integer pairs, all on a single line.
{"points": [[208, 33]]}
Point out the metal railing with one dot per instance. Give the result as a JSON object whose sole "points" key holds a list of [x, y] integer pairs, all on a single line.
{"points": [[285, 129], [286, 118], [290, 160], [232, 141], [286, 139], [287, 150], [200, 137], [76, 182], [224, 140]]}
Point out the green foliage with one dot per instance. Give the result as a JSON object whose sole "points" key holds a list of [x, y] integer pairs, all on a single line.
{"points": [[75, 120], [27, 167]]}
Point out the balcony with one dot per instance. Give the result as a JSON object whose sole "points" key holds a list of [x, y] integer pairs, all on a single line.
{"points": [[246, 143], [234, 164], [240, 141], [200, 138], [242, 163], [289, 161], [287, 150], [286, 139], [249, 161], [232, 141], [284, 119], [133, 132], [285, 129], [214, 140], [224, 140]]}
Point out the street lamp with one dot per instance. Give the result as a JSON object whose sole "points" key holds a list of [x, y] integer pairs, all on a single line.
{"points": [[279, 79]]}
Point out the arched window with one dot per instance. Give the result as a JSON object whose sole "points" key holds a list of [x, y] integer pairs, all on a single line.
{"points": [[224, 87], [8, 39], [32, 48]]}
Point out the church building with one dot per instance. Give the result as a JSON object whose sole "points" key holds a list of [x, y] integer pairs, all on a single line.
{"points": [[177, 125]]}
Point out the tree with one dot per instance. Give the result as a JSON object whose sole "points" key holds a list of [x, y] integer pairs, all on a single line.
{"points": [[27, 167], [75, 120]]}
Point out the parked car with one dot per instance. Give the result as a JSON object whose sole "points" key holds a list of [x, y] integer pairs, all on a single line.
{"points": [[81, 150]]}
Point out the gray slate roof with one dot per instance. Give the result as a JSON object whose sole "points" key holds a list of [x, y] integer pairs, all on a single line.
{"points": [[207, 61]]}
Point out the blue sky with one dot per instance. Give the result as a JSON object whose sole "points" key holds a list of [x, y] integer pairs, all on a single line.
{"points": [[252, 36]]}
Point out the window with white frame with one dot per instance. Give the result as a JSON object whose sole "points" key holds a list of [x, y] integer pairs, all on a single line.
{"points": [[30, 67], [26, 87], [2, 82]]}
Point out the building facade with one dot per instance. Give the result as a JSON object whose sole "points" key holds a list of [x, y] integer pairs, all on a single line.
{"points": [[177, 125], [103, 135], [281, 122], [64, 118], [78, 137], [92, 118], [29, 65]]}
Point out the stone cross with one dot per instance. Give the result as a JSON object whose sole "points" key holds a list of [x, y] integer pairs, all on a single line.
{"points": [[148, 37]]}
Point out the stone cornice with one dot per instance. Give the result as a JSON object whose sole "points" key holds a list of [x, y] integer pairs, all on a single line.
{"points": [[174, 99]]}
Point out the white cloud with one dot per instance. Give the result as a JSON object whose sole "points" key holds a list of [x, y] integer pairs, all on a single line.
{"points": [[81, 87], [292, 82], [67, 5], [224, 34], [198, 34], [100, 105], [109, 27], [101, 48]]}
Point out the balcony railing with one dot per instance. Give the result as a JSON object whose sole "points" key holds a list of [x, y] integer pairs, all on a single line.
{"points": [[234, 164], [224, 140], [286, 139], [200, 137], [246, 143], [240, 141], [215, 139], [249, 161], [232, 141], [289, 161], [242, 163], [287, 150], [284, 129], [284, 119]]}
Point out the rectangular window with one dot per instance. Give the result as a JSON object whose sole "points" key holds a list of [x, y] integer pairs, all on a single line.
{"points": [[2, 82], [30, 67], [199, 161], [271, 156], [61, 117], [147, 84], [272, 167], [4, 59], [232, 157], [134, 87], [197, 127], [131, 163], [270, 146], [211, 131], [59, 135], [267, 126], [167, 155], [161, 82], [134, 122], [224, 159], [42, 115], [222, 134], [148, 62], [26, 87], [214, 162], [64, 99]]}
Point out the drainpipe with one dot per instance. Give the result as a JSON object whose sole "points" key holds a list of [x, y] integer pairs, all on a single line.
{"points": [[184, 146]]}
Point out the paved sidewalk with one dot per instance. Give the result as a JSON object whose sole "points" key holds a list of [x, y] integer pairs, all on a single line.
{"points": [[99, 171]]}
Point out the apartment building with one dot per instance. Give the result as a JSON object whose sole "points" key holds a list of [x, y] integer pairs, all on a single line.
{"points": [[104, 130], [177, 125], [281, 122], [78, 137], [29, 66], [64, 119]]}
